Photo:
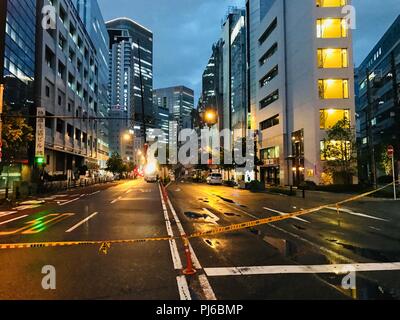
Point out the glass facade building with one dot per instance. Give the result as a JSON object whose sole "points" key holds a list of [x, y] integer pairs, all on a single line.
{"points": [[17, 58], [378, 105], [130, 71]]}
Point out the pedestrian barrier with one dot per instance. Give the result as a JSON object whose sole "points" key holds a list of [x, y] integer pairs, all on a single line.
{"points": [[106, 245]]}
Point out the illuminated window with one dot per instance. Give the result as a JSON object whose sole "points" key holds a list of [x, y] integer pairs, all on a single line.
{"points": [[333, 89], [331, 28], [331, 3], [330, 117], [332, 58], [335, 150]]}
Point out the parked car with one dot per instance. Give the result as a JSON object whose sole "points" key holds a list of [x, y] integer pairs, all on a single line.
{"points": [[214, 179]]}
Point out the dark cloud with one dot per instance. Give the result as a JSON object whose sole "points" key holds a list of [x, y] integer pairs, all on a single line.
{"points": [[184, 31]]}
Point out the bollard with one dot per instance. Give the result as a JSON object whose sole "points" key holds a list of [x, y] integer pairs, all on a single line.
{"points": [[304, 193]]}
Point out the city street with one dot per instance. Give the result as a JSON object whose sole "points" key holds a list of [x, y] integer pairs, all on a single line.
{"points": [[245, 264]]}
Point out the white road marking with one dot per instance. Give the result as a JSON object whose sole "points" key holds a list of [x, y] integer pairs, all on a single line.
{"points": [[204, 283], [211, 216], [65, 203], [356, 213], [93, 193], [7, 213], [172, 243], [183, 288], [128, 191], [82, 222], [22, 208], [114, 201], [176, 259], [296, 269], [285, 214], [11, 220], [374, 228]]}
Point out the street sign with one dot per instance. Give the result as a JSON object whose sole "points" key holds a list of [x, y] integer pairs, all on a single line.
{"points": [[390, 151], [40, 133]]}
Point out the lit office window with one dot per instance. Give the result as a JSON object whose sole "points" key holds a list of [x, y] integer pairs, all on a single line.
{"points": [[332, 58], [330, 117], [331, 28], [333, 89], [331, 3]]}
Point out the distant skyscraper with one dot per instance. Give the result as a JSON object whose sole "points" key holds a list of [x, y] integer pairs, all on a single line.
{"points": [[131, 59], [180, 103]]}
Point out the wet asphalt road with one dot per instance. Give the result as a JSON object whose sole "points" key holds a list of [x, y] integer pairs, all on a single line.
{"points": [[366, 231]]}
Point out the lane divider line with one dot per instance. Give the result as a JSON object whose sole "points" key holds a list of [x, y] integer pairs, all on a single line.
{"points": [[14, 219], [204, 283], [285, 213], [183, 288], [172, 242], [73, 200], [81, 222]]}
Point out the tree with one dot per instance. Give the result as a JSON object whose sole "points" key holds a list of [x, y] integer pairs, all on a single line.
{"points": [[339, 152], [115, 164], [16, 135]]}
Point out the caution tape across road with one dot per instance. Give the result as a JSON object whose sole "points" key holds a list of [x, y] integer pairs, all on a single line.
{"points": [[105, 245]]}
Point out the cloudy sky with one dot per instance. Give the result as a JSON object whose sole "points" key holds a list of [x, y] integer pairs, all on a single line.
{"points": [[184, 31]]}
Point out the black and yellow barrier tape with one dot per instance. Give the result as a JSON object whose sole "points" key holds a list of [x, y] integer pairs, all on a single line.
{"points": [[106, 245]]}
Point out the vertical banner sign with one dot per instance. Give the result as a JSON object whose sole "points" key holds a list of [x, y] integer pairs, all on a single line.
{"points": [[40, 132]]}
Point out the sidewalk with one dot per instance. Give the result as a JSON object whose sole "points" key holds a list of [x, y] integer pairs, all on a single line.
{"points": [[73, 189]]}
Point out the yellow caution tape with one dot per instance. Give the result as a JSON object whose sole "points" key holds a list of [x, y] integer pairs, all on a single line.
{"points": [[106, 245]]}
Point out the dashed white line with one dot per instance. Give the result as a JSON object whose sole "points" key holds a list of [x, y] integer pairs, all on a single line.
{"points": [[7, 213], [82, 222], [183, 288], [114, 201], [204, 283], [11, 220], [357, 214], [73, 200], [285, 214]]}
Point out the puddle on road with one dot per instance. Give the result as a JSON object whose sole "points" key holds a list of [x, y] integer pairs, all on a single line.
{"points": [[195, 215], [212, 243], [378, 255], [225, 199], [365, 288], [230, 214], [299, 227]]}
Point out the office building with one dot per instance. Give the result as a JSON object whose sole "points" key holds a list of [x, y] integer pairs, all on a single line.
{"points": [[378, 106], [91, 16], [130, 83], [17, 74], [304, 86], [179, 101], [69, 87]]}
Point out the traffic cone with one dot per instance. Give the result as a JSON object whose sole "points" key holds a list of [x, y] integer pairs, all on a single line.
{"points": [[189, 264]]}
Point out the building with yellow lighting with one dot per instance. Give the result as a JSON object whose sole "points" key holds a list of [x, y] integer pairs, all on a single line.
{"points": [[303, 78]]}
